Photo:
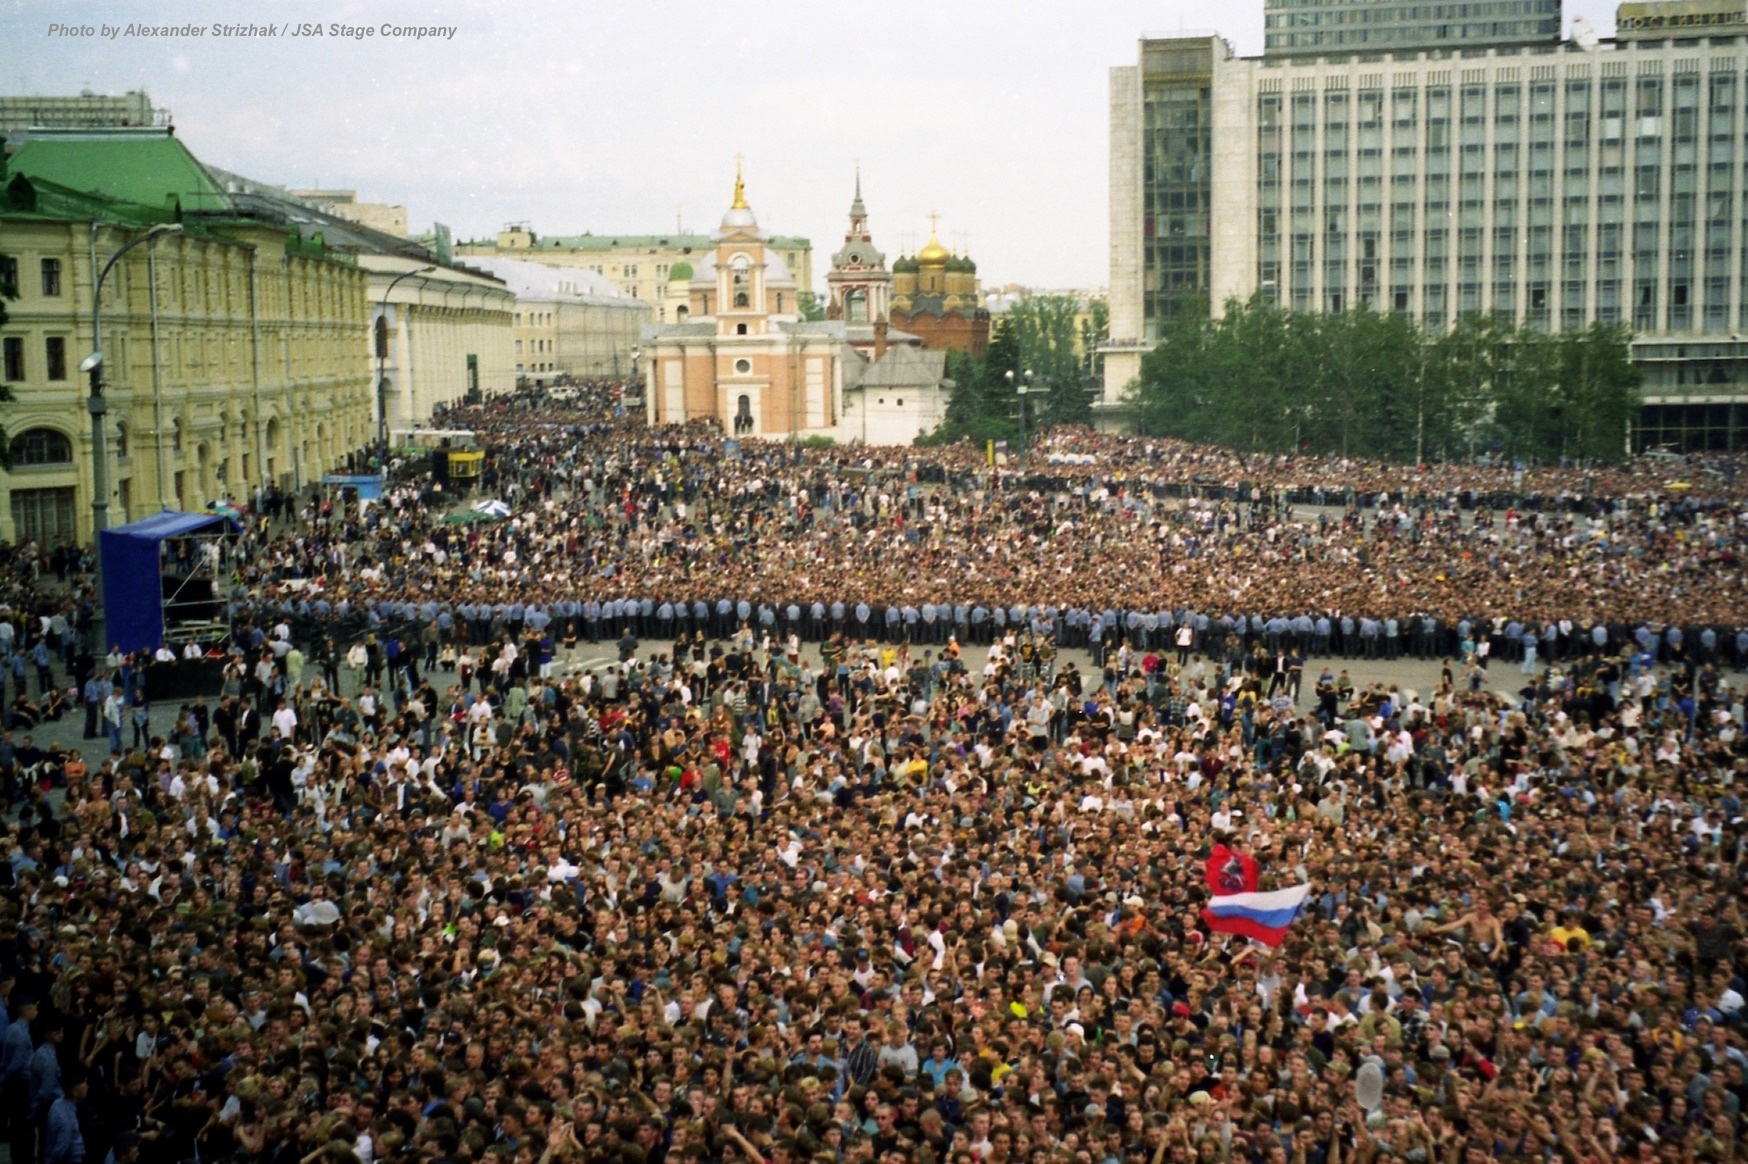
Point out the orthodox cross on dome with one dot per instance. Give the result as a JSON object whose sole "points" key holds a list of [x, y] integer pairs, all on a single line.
{"points": [[934, 221]]}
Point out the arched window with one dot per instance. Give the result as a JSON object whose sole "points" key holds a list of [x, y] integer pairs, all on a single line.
{"points": [[121, 440], [740, 329], [41, 446], [856, 307], [382, 337], [176, 435], [740, 281]]}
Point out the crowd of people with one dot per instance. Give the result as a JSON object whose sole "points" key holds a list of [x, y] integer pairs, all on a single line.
{"points": [[859, 864]]}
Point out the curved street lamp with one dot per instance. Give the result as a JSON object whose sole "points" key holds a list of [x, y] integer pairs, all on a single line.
{"points": [[1021, 390], [382, 360], [98, 407]]}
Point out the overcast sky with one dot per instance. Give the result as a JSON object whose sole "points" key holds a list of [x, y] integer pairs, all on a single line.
{"points": [[612, 115]]}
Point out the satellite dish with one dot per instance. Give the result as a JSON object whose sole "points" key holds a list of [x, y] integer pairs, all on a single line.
{"points": [[1368, 1086], [1584, 33]]}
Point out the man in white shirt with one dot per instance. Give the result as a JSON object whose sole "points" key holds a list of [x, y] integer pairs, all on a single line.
{"points": [[285, 721]]}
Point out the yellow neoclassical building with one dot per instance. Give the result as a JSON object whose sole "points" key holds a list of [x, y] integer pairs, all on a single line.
{"points": [[233, 350], [641, 266]]}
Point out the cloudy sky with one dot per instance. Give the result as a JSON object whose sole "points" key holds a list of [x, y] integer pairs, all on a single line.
{"points": [[614, 116]]}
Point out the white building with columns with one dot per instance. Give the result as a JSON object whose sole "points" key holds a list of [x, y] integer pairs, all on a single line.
{"points": [[439, 334]]}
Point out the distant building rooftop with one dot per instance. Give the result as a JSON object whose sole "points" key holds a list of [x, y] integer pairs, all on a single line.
{"points": [[85, 110], [1680, 19], [613, 242]]}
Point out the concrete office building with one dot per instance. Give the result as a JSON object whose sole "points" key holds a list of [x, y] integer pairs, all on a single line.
{"points": [[379, 216], [1314, 27], [87, 110], [1556, 184]]}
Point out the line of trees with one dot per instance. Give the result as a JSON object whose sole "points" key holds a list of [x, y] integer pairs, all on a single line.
{"points": [[1042, 335], [1261, 378]]}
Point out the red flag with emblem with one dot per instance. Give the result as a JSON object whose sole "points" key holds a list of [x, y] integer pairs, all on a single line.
{"points": [[1230, 872]]}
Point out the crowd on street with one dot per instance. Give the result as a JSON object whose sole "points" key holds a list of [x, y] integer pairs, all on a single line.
{"points": [[842, 851]]}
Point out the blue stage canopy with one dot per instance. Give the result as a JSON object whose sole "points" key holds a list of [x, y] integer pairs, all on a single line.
{"points": [[369, 488], [133, 588]]}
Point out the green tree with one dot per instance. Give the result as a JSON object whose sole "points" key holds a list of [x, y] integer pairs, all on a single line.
{"points": [[1044, 329], [812, 310], [1263, 379]]}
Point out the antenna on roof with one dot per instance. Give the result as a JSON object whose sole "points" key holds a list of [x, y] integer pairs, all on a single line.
{"points": [[679, 227]]}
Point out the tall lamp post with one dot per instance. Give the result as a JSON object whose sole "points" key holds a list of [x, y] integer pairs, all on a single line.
{"points": [[382, 360], [98, 407], [1022, 389]]}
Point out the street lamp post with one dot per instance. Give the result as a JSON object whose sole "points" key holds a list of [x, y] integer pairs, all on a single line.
{"points": [[98, 407], [1022, 389], [382, 360]]}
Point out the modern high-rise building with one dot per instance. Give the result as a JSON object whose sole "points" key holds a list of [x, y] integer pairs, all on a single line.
{"points": [[1554, 183], [1314, 27]]}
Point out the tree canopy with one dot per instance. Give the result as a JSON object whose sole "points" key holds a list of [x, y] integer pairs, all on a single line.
{"points": [[1041, 335], [1261, 378]]}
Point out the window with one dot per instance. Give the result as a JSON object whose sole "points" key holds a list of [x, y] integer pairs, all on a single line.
{"points": [[41, 446], [14, 358], [55, 348], [742, 367], [51, 277], [44, 516], [8, 276]]}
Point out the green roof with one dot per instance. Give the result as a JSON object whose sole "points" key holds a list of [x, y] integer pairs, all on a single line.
{"points": [[149, 168], [44, 201]]}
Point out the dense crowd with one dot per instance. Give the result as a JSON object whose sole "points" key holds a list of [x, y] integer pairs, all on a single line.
{"points": [[819, 885]]}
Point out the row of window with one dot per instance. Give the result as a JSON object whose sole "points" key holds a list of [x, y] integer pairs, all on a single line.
{"points": [[1510, 101], [49, 272], [12, 363], [212, 290]]}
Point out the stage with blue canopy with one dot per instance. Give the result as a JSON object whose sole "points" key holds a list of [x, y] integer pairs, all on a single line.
{"points": [[133, 585]]}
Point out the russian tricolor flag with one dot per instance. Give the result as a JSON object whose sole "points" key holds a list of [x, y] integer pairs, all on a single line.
{"points": [[1263, 916]]}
